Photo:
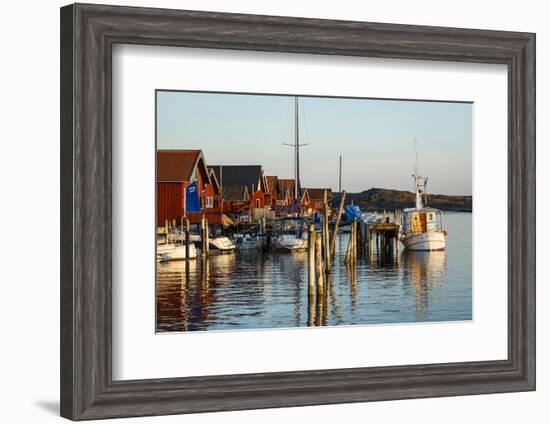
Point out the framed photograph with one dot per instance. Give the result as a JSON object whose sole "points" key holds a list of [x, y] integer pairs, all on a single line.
{"points": [[264, 211]]}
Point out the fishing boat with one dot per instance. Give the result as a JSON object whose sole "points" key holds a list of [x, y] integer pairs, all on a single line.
{"points": [[174, 252], [292, 236], [422, 227]]}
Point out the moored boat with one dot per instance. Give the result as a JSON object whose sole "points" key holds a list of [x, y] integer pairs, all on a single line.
{"points": [[293, 235], [221, 244], [422, 227], [249, 242], [174, 252]]}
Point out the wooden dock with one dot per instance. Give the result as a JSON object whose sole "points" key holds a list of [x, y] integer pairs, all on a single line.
{"points": [[382, 238]]}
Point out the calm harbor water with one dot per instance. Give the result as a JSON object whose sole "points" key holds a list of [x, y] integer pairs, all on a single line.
{"points": [[252, 290]]}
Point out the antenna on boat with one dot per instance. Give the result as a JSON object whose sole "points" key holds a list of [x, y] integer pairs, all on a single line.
{"points": [[419, 181], [296, 146]]}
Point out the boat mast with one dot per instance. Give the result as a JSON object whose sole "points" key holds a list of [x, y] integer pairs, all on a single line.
{"points": [[296, 146], [296, 151], [419, 181]]}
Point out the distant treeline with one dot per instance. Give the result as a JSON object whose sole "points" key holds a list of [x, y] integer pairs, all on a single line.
{"points": [[381, 198]]}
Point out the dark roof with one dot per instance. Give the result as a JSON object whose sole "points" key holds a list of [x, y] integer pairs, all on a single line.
{"points": [[176, 165], [238, 175], [319, 193], [235, 193]]}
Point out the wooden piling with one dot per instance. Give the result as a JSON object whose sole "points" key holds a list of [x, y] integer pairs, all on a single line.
{"points": [[207, 237], [326, 239], [348, 250], [310, 311], [203, 235], [352, 227], [311, 259], [371, 243], [354, 242], [397, 242], [187, 240], [357, 241], [320, 269], [360, 239], [337, 223]]}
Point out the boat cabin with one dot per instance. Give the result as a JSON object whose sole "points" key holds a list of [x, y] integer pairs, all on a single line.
{"points": [[422, 221]]}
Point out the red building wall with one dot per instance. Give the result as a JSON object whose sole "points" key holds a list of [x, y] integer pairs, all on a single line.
{"points": [[257, 196], [170, 197]]}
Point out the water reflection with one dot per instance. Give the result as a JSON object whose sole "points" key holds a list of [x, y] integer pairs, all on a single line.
{"points": [[249, 290], [423, 272]]}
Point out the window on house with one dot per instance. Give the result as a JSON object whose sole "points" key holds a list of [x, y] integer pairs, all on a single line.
{"points": [[257, 203], [209, 202]]}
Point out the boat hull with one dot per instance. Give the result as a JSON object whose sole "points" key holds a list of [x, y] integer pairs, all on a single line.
{"points": [[249, 246], [221, 245], [296, 245], [174, 252], [430, 241]]}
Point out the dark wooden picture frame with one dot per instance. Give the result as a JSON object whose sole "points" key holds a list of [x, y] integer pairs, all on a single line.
{"points": [[88, 33]]}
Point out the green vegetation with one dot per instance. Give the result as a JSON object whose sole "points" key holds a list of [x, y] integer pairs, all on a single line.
{"points": [[381, 198]]}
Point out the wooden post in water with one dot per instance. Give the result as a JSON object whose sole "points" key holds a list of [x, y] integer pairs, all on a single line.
{"points": [[357, 241], [181, 229], [361, 239], [348, 250], [206, 237], [354, 245], [351, 235], [203, 234], [320, 269], [187, 241], [397, 241], [337, 223], [311, 260], [371, 243], [326, 239]]}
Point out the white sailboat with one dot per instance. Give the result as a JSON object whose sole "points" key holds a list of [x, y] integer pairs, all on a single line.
{"points": [[249, 242], [422, 227], [293, 235], [174, 252], [219, 244]]}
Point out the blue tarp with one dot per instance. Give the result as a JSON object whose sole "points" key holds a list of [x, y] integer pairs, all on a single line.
{"points": [[351, 212], [192, 202]]}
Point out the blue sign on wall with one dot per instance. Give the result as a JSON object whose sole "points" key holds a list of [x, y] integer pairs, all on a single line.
{"points": [[192, 202]]}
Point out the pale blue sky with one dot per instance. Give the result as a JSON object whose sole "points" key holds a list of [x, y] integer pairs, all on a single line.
{"points": [[374, 137]]}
